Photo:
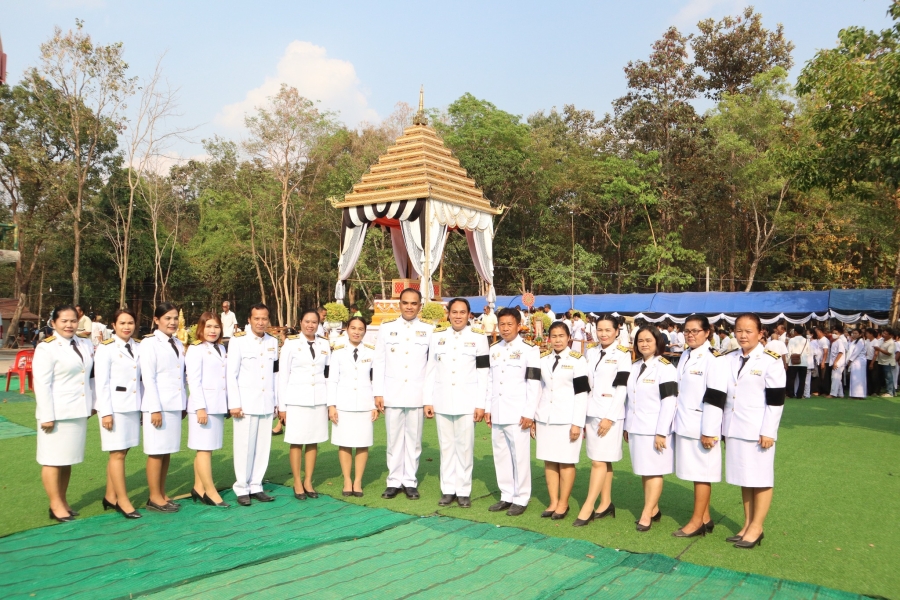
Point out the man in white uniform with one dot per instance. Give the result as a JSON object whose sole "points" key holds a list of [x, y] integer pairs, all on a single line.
{"points": [[837, 358], [550, 313], [229, 323], [252, 364], [398, 382], [456, 384], [489, 323]]}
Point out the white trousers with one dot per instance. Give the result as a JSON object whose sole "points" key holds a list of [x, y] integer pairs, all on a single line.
{"points": [[404, 445], [512, 461], [252, 443], [837, 382], [808, 383], [456, 437]]}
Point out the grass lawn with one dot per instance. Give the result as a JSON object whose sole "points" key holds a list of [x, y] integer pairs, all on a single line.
{"points": [[832, 523]]}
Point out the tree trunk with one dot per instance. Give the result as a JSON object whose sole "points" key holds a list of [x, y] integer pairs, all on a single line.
{"points": [[126, 247], [13, 331], [752, 275], [76, 270], [895, 297]]}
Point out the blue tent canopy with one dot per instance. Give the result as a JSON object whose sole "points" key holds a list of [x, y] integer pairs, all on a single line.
{"points": [[740, 302], [860, 300]]}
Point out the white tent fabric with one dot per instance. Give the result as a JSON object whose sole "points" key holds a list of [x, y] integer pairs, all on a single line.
{"points": [[730, 319], [480, 247], [351, 246], [415, 247]]}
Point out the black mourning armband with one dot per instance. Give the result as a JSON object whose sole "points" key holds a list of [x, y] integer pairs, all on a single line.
{"points": [[483, 361], [669, 388], [326, 371], [621, 378], [275, 367], [715, 397], [533, 373], [370, 375], [775, 396], [92, 371], [581, 385]]}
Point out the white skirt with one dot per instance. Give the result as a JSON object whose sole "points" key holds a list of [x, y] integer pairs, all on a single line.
{"points": [[353, 429], [646, 460], [607, 448], [125, 434], [64, 445], [205, 437], [553, 444], [306, 424], [166, 439], [693, 462], [748, 465]]}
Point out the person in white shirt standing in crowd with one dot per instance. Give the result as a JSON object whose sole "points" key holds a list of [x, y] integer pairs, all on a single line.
{"points": [[810, 362], [97, 331], [886, 359], [871, 371], [549, 313], [774, 344], [489, 323], [838, 359], [856, 365], [514, 388], [229, 323], [456, 388], [84, 323], [797, 363], [398, 382], [578, 336], [824, 344]]}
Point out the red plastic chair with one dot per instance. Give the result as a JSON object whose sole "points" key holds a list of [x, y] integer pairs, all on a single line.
{"points": [[22, 368]]}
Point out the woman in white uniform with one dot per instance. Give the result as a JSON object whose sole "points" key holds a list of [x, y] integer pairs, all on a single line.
{"points": [[117, 379], [649, 410], [303, 398], [698, 422], [756, 390], [608, 366], [578, 333], [164, 403], [64, 397], [856, 364], [351, 404], [207, 405], [559, 418]]}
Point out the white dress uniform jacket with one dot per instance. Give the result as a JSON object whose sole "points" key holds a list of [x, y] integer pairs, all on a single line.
{"points": [[162, 374], [401, 355], [650, 408], [608, 370], [349, 383], [117, 377], [302, 374], [250, 372], [206, 370], [564, 389], [62, 383], [755, 395], [702, 390], [456, 378], [514, 381]]}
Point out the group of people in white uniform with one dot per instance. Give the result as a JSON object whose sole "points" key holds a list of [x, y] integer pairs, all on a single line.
{"points": [[673, 419]]}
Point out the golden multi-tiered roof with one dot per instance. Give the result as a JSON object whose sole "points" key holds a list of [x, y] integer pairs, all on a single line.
{"points": [[418, 165]]}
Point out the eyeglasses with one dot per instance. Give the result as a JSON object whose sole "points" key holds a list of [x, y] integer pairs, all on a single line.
{"points": [[693, 331]]}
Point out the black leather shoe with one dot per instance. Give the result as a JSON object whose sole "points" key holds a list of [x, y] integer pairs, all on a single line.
{"points": [[657, 516], [733, 538], [53, 517], [195, 496], [210, 502], [464, 501], [300, 496], [358, 494], [107, 505], [610, 511], [411, 492], [262, 497], [311, 493], [583, 522], [279, 432], [747, 544], [345, 493], [390, 492], [700, 531], [709, 526], [74, 513], [173, 506], [546, 514], [498, 506], [244, 500], [163, 508], [559, 516], [515, 510], [128, 515], [642, 528], [446, 499]]}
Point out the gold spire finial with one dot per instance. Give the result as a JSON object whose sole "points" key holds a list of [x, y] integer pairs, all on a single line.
{"points": [[420, 119]]}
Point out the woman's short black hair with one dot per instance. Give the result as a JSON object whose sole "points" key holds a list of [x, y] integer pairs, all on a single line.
{"points": [[559, 325], [753, 317], [704, 322], [360, 319], [163, 308], [123, 311], [310, 311], [607, 317], [455, 300], [62, 308], [661, 341]]}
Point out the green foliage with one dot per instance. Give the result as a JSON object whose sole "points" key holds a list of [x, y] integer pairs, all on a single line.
{"points": [[336, 311], [433, 311], [544, 318]]}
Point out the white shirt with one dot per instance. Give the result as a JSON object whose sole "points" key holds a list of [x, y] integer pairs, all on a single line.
{"points": [[608, 371], [701, 394], [578, 330], [401, 355], [489, 322], [97, 329], [206, 379], [514, 383], [564, 390], [302, 370], [651, 402], [349, 382], [162, 373], [62, 380], [839, 347], [117, 377], [777, 346], [229, 324], [250, 373], [755, 395], [798, 345], [552, 316], [456, 378]]}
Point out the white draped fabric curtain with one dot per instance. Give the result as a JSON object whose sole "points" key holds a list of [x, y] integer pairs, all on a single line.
{"points": [[730, 319]]}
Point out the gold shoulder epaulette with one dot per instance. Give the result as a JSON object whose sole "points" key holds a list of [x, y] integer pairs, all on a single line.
{"points": [[441, 328], [715, 352], [292, 337], [369, 346], [50, 338], [322, 337], [497, 342], [686, 346], [240, 334], [575, 354], [664, 360], [637, 359], [135, 340], [107, 342], [196, 342], [773, 354], [421, 320], [477, 330], [338, 347], [149, 335], [546, 353], [727, 352], [591, 345], [623, 349], [529, 342], [391, 320]]}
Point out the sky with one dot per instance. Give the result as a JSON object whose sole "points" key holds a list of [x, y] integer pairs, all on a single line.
{"points": [[361, 58]]}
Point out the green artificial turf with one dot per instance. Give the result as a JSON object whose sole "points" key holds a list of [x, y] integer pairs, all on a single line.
{"points": [[833, 520]]}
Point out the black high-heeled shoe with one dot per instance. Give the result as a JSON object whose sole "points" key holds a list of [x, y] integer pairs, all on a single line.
{"points": [[559, 516], [128, 515], [59, 519], [546, 514], [734, 538], [700, 531], [195, 496], [107, 505], [74, 513], [642, 528], [610, 510], [210, 502], [747, 544], [311, 493], [583, 522], [709, 526], [657, 516]]}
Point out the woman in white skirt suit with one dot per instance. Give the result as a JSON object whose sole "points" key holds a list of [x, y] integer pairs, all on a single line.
{"points": [[351, 403], [64, 397], [207, 405], [303, 397], [756, 390], [856, 364], [164, 402], [609, 366], [698, 422], [559, 418], [117, 379], [649, 410]]}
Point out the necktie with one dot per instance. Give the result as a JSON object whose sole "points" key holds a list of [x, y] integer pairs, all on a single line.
{"points": [[602, 354], [174, 347], [555, 363], [643, 368], [312, 350], [77, 351], [744, 360], [128, 347], [219, 352], [355, 350]]}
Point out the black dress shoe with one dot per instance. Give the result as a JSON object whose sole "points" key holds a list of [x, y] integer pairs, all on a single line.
{"points": [[346, 493], [747, 544], [657, 516], [446, 499], [67, 519], [163, 508], [311, 493], [709, 526], [411, 492], [464, 501], [390, 492], [559, 516], [245, 500], [515, 510], [173, 506], [128, 515], [358, 494], [210, 502], [583, 522], [700, 531], [734, 538], [279, 432], [262, 497], [74, 513], [300, 495], [195, 496], [546, 514], [610, 511], [642, 528], [108, 505], [498, 506]]}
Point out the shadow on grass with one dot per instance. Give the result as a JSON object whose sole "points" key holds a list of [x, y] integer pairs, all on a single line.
{"points": [[874, 414]]}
